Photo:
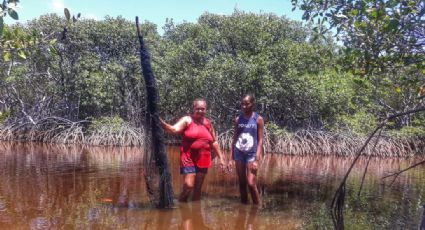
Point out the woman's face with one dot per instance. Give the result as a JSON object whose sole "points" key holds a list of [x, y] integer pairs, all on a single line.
{"points": [[199, 109], [247, 105]]}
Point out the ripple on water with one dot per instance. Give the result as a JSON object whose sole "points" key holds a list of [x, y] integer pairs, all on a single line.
{"points": [[3, 206], [40, 223], [93, 214]]}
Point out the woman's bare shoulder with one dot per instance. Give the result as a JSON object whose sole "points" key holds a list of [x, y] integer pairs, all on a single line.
{"points": [[186, 119]]}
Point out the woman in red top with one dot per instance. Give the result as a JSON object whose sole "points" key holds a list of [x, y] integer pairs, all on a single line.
{"points": [[195, 151]]}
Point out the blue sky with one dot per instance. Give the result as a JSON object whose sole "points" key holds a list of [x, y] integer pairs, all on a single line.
{"points": [[155, 11]]}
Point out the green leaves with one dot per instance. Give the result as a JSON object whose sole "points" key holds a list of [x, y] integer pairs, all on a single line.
{"points": [[9, 7], [22, 54], [391, 24], [1, 26], [373, 29], [373, 12], [15, 43], [297, 81], [13, 14], [7, 56], [67, 14], [223, 56], [360, 25], [392, 3], [354, 12], [397, 89]]}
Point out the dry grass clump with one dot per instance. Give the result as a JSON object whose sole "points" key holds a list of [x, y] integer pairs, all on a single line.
{"points": [[62, 131], [50, 129], [113, 131], [307, 142], [123, 135]]}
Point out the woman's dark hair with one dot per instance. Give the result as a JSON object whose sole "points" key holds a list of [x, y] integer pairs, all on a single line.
{"points": [[198, 99], [250, 96]]}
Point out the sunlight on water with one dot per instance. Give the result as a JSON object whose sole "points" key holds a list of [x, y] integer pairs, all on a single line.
{"points": [[75, 187]]}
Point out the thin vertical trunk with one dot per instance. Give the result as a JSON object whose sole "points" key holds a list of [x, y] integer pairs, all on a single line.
{"points": [[159, 151]]}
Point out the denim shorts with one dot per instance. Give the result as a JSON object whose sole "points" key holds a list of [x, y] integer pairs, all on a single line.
{"points": [[192, 169], [244, 157]]}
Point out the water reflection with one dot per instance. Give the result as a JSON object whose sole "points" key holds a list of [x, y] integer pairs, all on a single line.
{"points": [[191, 214], [56, 186], [246, 217], [40, 223]]}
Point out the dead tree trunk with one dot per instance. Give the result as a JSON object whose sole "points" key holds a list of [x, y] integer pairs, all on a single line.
{"points": [[159, 151]]}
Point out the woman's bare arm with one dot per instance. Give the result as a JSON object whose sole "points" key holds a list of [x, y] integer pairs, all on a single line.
{"points": [[260, 135], [232, 147], [178, 127], [216, 147]]}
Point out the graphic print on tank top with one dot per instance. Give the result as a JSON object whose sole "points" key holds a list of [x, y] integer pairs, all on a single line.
{"points": [[247, 129]]}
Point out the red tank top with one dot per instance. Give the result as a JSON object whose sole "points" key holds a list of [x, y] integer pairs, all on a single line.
{"points": [[196, 145]]}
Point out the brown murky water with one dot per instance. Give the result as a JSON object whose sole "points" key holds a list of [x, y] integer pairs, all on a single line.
{"points": [[73, 187]]}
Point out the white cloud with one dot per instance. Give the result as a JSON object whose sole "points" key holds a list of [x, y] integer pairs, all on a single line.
{"points": [[57, 5]]}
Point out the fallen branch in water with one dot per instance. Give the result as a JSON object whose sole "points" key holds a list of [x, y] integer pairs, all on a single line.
{"points": [[367, 165], [396, 174]]}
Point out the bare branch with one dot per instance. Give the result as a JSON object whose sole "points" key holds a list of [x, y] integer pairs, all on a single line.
{"points": [[396, 174], [337, 205]]}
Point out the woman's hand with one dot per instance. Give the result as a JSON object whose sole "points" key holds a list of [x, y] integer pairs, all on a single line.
{"points": [[253, 166], [258, 158], [230, 165], [222, 164]]}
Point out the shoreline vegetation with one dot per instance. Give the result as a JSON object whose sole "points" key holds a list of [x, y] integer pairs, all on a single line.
{"points": [[300, 143], [75, 82]]}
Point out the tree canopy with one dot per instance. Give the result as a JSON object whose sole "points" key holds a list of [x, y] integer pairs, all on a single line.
{"points": [[301, 80]]}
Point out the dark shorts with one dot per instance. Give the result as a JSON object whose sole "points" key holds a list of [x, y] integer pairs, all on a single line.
{"points": [[192, 169], [244, 157]]}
